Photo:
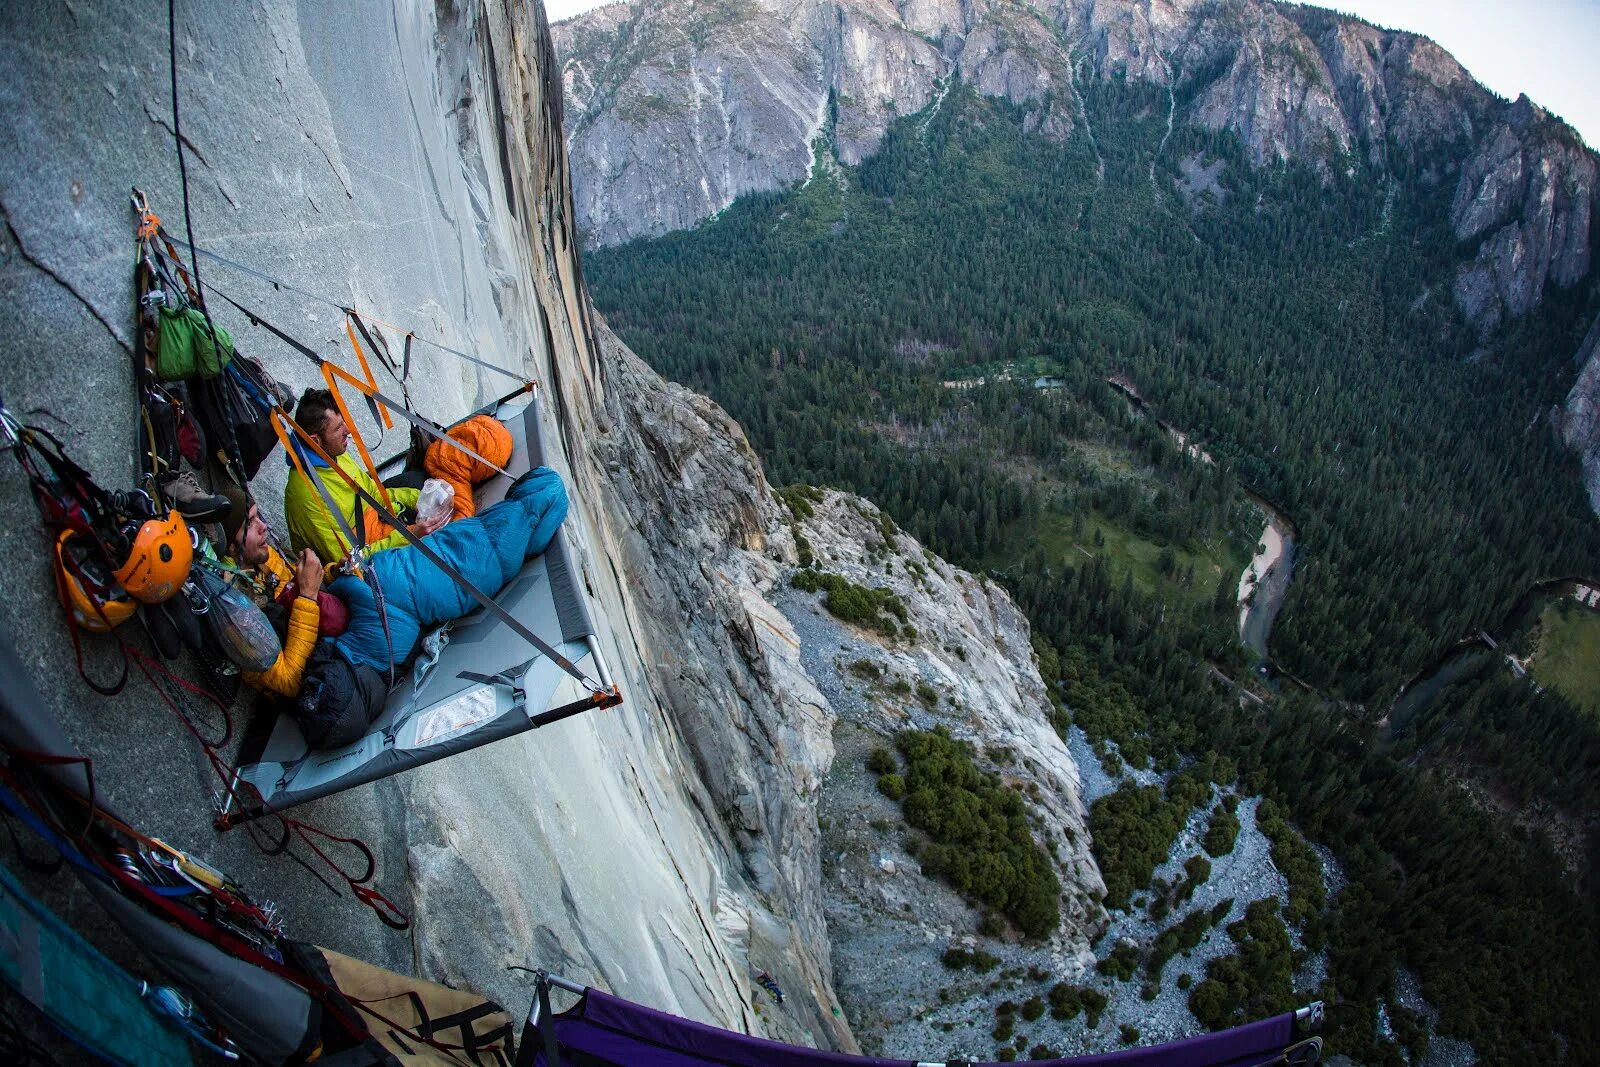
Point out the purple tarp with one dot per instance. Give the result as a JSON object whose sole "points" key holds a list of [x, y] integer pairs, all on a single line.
{"points": [[602, 1030]]}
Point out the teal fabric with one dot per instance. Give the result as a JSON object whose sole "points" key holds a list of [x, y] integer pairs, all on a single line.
{"points": [[83, 994], [488, 549]]}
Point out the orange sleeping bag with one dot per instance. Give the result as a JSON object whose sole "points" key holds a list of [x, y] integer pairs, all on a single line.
{"points": [[485, 436]]}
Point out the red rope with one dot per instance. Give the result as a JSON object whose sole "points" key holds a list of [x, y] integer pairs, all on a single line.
{"points": [[385, 909]]}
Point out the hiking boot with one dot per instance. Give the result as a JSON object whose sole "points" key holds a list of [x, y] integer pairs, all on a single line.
{"points": [[188, 498]]}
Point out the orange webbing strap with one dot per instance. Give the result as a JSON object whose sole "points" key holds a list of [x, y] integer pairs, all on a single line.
{"points": [[368, 388], [366, 368], [332, 373], [374, 398], [439, 434]]}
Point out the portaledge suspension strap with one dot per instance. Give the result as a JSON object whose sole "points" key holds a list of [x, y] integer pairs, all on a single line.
{"points": [[279, 283], [367, 389], [541, 1021]]}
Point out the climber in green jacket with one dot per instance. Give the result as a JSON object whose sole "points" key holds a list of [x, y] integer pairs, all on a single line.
{"points": [[310, 525]]}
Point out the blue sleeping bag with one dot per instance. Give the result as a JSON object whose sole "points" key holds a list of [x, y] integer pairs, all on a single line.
{"points": [[488, 549]]}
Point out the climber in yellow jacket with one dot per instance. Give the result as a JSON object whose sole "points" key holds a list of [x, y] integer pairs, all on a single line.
{"points": [[310, 524], [250, 551]]}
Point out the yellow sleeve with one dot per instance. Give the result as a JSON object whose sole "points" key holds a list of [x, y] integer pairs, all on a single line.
{"points": [[278, 567], [288, 670]]}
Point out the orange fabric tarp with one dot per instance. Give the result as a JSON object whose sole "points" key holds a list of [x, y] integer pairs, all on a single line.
{"points": [[485, 436]]}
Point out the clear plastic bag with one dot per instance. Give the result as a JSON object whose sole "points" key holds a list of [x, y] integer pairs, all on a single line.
{"points": [[241, 628], [436, 503]]}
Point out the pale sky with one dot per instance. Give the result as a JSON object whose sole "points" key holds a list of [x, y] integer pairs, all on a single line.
{"points": [[1545, 48], [1549, 49]]}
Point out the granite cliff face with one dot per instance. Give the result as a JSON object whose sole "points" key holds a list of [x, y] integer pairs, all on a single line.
{"points": [[968, 669], [1526, 197], [408, 160], [1578, 420], [422, 176], [678, 108]]}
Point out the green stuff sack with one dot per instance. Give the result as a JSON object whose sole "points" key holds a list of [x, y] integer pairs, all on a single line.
{"points": [[185, 348]]}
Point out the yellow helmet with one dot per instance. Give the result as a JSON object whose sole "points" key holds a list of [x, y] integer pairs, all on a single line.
{"points": [[97, 611]]}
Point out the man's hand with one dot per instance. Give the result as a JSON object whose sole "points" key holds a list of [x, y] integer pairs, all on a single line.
{"points": [[423, 529], [308, 576]]}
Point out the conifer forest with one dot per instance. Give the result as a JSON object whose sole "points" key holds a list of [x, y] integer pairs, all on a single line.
{"points": [[935, 330]]}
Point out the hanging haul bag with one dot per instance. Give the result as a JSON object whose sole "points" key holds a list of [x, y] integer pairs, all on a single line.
{"points": [[230, 394], [245, 397], [241, 628]]}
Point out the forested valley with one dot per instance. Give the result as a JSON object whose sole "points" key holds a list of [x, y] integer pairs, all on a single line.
{"points": [[1298, 323]]}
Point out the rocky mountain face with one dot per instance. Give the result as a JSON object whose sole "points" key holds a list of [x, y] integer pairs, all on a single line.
{"points": [[1578, 420], [677, 108], [408, 161], [968, 669]]}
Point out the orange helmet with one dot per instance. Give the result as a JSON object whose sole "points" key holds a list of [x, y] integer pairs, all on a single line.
{"points": [[159, 560], [97, 611]]}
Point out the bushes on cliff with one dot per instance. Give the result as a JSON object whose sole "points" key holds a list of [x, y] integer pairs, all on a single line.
{"points": [[1134, 828], [875, 609], [1221, 832], [1253, 983], [1183, 937], [881, 761], [1298, 862], [799, 499], [956, 958], [1068, 1001], [1122, 963], [977, 829]]}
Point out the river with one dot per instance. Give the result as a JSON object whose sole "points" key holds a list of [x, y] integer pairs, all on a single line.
{"points": [[1265, 583], [1473, 650]]}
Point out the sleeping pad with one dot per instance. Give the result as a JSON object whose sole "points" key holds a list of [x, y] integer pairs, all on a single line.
{"points": [[488, 549]]}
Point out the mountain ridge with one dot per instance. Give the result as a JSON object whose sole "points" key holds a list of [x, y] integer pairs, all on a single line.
{"points": [[677, 109]]}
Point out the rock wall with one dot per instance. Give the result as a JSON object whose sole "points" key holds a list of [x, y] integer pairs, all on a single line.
{"points": [[407, 159], [1526, 196], [1578, 420], [961, 659], [680, 107]]}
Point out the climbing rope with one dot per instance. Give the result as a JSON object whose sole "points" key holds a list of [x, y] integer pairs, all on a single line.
{"points": [[282, 284]]}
